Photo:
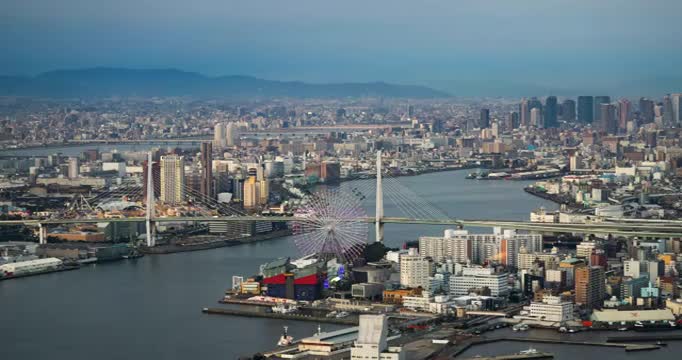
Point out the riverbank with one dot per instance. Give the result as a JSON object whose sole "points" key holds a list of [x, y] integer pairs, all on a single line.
{"points": [[175, 248], [557, 199]]}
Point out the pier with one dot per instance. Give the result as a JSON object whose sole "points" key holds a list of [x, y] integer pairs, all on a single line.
{"points": [[270, 315], [538, 355], [463, 346], [246, 302], [644, 338], [627, 347]]}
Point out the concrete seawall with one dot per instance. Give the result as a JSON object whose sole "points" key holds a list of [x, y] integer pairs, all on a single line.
{"points": [[268, 315]]}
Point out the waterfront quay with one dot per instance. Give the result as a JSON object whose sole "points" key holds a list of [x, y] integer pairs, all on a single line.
{"points": [[517, 356], [462, 345], [351, 321]]}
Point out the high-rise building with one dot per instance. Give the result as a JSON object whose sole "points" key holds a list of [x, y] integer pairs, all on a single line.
{"points": [[172, 179], [484, 122], [668, 111], [585, 109], [590, 286], [550, 113], [536, 117], [646, 110], [568, 110], [207, 188], [231, 134], [535, 103], [624, 113], [676, 99], [513, 121], [263, 192], [237, 190], [219, 137], [415, 269], [74, 168], [608, 118], [598, 100], [524, 112], [252, 196]]}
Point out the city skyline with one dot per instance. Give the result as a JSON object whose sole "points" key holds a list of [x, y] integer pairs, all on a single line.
{"points": [[340, 180], [526, 47]]}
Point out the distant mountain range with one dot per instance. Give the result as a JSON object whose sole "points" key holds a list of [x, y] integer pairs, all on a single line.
{"points": [[107, 82]]}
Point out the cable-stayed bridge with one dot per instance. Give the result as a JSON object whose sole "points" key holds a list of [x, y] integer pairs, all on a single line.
{"points": [[143, 207]]}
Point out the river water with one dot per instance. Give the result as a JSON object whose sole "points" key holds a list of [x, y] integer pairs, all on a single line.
{"points": [[150, 308]]}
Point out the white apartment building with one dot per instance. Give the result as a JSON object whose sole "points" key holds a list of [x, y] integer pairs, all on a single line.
{"points": [[461, 247], [415, 269], [479, 277], [525, 259], [552, 308], [585, 249], [419, 302], [632, 268], [394, 256]]}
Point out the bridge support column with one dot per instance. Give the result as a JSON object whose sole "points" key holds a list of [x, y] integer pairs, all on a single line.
{"points": [[379, 216], [149, 214], [42, 234]]}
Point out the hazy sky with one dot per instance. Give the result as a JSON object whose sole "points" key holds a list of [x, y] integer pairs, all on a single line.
{"points": [[565, 44]]}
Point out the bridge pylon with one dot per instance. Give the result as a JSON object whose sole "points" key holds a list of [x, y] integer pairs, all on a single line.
{"points": [[149, 213], [379, 204]]}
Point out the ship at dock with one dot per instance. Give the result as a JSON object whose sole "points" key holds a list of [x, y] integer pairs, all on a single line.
{"points": [[33, 267]]}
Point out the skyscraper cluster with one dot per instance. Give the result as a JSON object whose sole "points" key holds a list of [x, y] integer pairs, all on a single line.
{"points": [[225, 134]]}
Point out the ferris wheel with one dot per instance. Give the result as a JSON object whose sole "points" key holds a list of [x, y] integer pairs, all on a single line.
{"points": [[332, 225]]}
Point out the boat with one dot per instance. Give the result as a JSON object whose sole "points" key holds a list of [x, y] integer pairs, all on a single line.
{"points": [[342, 314], [520, 327], [661, 343], [285, 339], [530, 351], [623, 329], [284, 309]]}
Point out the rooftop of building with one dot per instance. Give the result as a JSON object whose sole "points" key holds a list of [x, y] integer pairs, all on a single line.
{"points": [[632, 315], [333, 337]]}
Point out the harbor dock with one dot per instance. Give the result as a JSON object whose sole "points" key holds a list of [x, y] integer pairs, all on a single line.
{"points": [[270, 315], [538, 355], [627, 347], [462, 347], [246, 302], [644, 338]]}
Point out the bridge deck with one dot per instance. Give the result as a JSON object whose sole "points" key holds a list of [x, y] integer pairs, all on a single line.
{"points": [[664, 230]]}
